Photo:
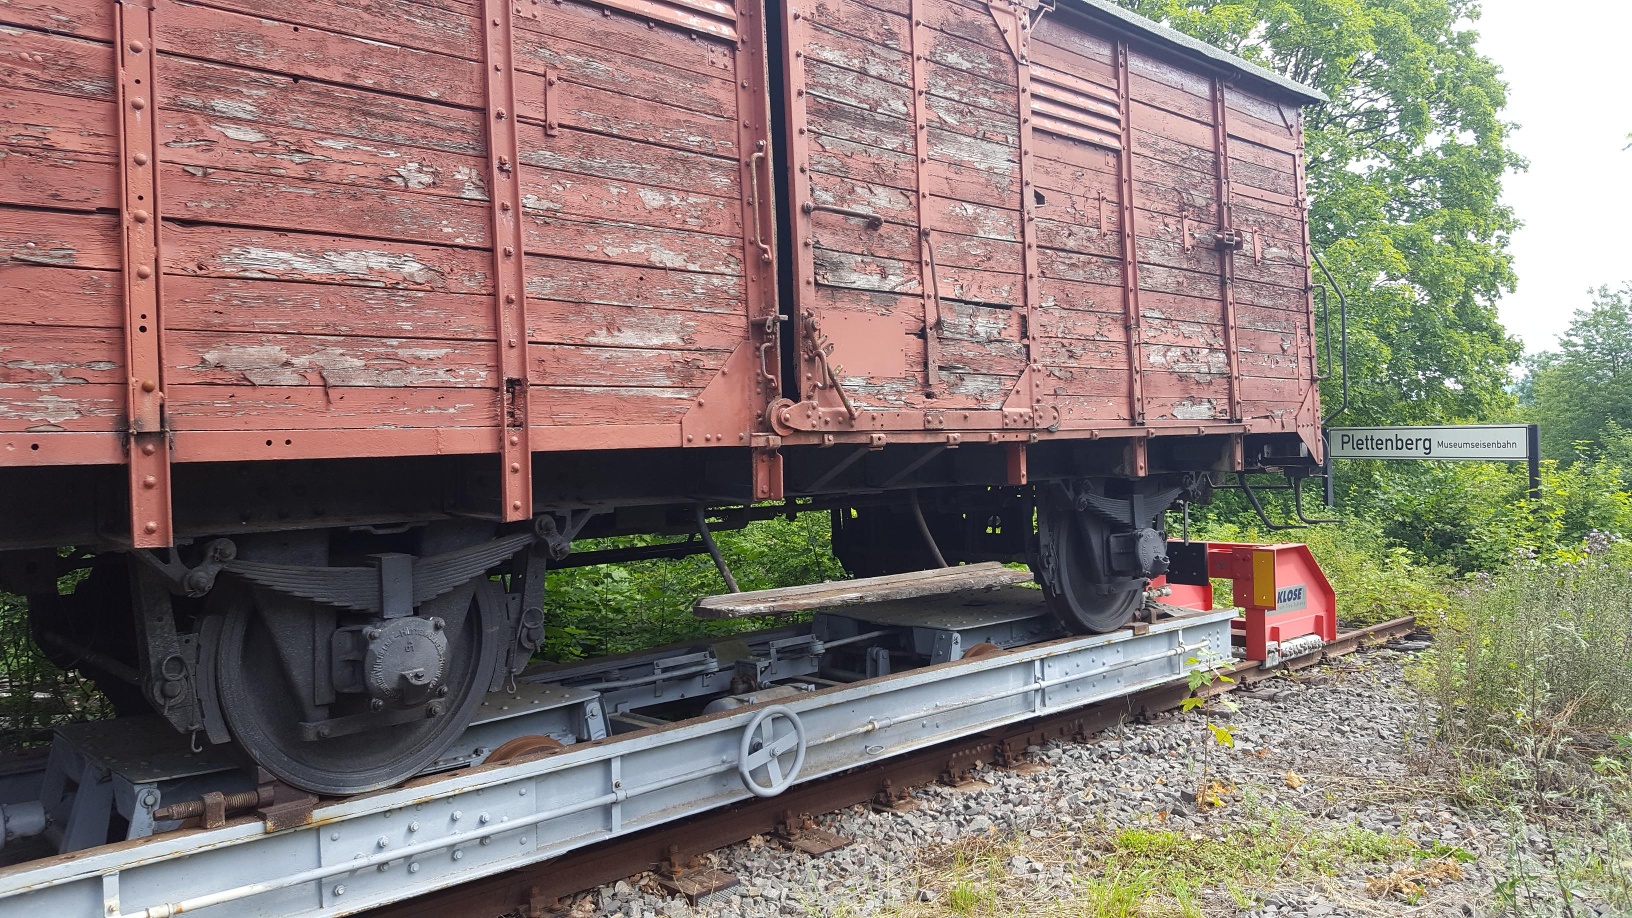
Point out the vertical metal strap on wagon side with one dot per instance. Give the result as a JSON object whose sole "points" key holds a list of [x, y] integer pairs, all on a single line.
{"points": [[1308, 379], [759, 237], [134, 53], [509, 268], [1028, 213], [801, 190], [928, 280], [1130, 242], [1226, 254]]}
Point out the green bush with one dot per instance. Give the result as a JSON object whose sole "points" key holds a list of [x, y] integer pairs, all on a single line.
{"points": [[1479, 516], [36, 695], [618, 608]]}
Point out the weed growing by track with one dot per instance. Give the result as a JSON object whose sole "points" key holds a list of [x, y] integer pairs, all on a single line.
{"points": [[1158, 872], [1531, 685]]}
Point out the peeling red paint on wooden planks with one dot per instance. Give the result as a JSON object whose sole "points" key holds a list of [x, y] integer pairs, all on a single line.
{"points": [[638, 246], [79, 407], [259, 359], [608, 325], [61, 297], [61, 180], [578, 152], [600, 27], [43, 237], [61, 355], [211, 251], [91, 21], [570, 280], [315, 53], [228, 407], [30, 119], [213, 142], [590, 406], [553, 366], [269, 307], [842, 159], [592, 198], [607, 69], [443, 26], [58, 64], [272, 202], [272, 101]]}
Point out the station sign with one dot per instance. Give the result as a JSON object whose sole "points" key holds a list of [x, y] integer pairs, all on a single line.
{"points": [[1484, 443], [1454, 442]]}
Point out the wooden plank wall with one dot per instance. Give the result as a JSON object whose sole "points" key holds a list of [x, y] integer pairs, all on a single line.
{"points": [[1275, 338], [1084, 342], [326, 224], [862, 122]]}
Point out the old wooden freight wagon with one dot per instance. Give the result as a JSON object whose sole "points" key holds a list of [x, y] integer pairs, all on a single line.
{"points": [[323, 287]]}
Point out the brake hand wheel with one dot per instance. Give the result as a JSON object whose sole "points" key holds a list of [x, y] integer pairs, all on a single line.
{"points": [[770, 738]]}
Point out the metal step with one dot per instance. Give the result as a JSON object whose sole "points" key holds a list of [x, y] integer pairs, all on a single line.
{"points": [[832, 594]]}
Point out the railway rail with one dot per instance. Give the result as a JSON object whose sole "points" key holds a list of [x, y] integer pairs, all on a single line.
{"points": [[674, 853]]}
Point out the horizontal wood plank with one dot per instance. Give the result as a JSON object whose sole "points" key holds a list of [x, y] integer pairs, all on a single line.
{"points": [[259, 359], [47, 237], [271, 307], [552, 365], [211, 251], [39, 356], [570, 280], [315, 53], [62, 297], [284, 408], [74, 407], [608, 325]]}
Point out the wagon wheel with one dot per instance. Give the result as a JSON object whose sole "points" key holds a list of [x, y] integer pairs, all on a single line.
{"points": [[264, 678], [1081, 596]]}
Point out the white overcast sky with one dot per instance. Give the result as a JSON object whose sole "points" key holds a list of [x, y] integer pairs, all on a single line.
{"points": [[1567, 67]]}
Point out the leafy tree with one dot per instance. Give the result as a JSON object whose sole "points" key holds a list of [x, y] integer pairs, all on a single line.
{"points": [[1582, 392], [1405, 175]]}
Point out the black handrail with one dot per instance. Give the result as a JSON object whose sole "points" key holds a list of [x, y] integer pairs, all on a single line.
{"points": [[1343, 326]]}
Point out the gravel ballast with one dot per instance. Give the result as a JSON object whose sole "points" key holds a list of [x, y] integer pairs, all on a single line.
{"points": [[1324, 790]]}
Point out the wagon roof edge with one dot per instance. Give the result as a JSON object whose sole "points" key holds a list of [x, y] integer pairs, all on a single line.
{"points": [[1132, 22]]}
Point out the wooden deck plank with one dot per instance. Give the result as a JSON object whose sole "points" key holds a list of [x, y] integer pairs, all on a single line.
{"points": [[786, 600]]}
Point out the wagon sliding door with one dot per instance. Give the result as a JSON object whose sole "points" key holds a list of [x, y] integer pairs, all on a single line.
{"points": [[648, 222], [904, 182], [1173, 263]]}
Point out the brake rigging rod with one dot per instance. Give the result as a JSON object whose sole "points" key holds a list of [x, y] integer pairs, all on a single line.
{"points": [[923, 529], [714, 550]]}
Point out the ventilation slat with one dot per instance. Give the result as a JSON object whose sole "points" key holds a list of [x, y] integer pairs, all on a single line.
{"points": [[1075, 108]]}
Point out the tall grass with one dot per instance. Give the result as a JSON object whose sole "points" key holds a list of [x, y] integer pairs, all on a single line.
{"points": [[1538, 645]]}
